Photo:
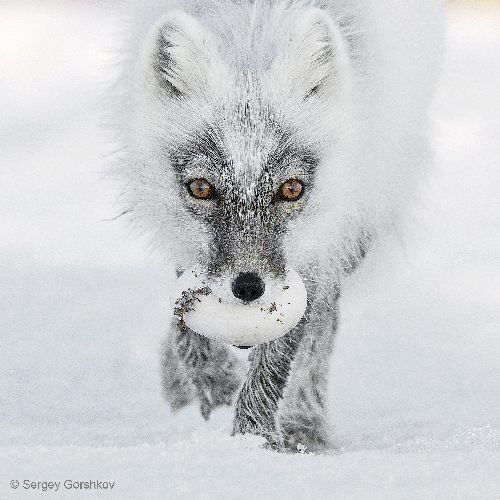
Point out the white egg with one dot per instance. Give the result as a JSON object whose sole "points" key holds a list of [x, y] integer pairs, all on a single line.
{"points": [[239, 323]]}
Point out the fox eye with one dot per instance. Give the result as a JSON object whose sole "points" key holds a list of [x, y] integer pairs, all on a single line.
{"points": [[200, 188], [291, 190]]}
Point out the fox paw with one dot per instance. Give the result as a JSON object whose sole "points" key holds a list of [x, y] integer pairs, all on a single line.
{"points": [[305, 435]]}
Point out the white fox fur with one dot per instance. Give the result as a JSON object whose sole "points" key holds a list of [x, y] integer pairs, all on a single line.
{"points": [[345, 86]]}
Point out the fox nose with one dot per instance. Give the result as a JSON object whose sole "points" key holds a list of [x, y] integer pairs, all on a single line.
{"points": [[248, 287]]}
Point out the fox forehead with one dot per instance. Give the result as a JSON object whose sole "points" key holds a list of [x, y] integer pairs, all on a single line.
{"points": [[243, 146]]}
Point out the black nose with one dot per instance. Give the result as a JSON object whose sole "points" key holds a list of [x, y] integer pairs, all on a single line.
{"points": [[248, 287]]}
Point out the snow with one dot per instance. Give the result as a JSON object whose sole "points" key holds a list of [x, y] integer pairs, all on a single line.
{"points": [[415, 386]]}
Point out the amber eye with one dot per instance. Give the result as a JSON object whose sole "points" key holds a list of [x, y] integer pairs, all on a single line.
{"points": [[200, 188], [291, 190]]}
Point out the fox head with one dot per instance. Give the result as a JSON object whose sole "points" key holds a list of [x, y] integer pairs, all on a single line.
{"points": [[234, 155]]}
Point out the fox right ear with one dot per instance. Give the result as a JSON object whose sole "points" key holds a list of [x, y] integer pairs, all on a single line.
{"points": [[180, 56], [314, 59]]}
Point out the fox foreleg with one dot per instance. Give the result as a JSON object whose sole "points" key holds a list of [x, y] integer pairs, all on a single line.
{"points": [[195, 367], [303, 409], [284, 395], [257, 405]]}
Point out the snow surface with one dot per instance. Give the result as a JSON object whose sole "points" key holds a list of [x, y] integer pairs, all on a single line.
{"points": [[415, 386]]}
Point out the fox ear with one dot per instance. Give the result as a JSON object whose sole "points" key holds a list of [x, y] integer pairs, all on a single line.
{"points": [[314, 58], [181, 57]]}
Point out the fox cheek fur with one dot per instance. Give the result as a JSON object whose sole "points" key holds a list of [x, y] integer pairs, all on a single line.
{"points": [[240, 98]]}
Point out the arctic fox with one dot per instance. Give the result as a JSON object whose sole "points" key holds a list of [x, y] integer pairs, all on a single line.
{"points": [[262, 136]]}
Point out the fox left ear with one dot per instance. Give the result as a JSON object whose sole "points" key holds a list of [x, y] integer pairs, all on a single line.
{"points": [[314, 58], [179, 57]]}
